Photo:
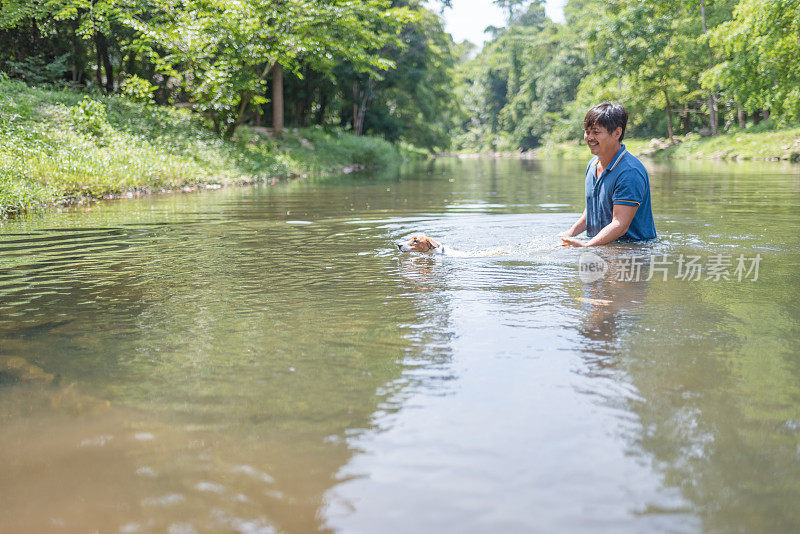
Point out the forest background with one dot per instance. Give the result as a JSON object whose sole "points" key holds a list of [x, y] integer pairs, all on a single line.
{"points": [[91, 88], [388, 68]]}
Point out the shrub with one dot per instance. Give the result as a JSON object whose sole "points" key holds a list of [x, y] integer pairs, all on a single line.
{"points": [[37, 70], [138, 90], [90, 117]]}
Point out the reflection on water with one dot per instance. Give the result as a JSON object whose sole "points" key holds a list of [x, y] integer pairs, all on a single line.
{"points": [[264, 360]]}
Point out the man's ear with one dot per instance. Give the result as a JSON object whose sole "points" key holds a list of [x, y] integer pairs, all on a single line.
{"points": [[617, 133]]}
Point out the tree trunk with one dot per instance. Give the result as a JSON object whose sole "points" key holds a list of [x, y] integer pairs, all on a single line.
{"points": [[765, 114], [756, 117], [360, 108], [684, 121], [712, 111], [123, 69], [77, 70], [741, 116], [277, 100], [355, 108], [101, 44], [669, 119], [245, 101]]}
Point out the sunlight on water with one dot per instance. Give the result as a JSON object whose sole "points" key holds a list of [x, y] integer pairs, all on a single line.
{"points": [[265, 360]]}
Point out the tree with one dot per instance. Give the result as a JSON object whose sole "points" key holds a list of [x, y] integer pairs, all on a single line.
{"points": [[224, 50], [414, 99], [512, 7], [518, 86], [93, 20], [655, 45], [712, 111], [760, 48]]}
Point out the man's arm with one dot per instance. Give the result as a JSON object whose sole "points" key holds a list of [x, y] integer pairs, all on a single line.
{"points": [[577, 228], [621, 221]]}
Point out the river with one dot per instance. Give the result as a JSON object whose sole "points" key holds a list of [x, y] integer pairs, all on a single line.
{"points": [[264, 359]]}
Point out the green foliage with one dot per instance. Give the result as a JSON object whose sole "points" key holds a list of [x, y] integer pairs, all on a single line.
{"points": [[49, 149], [138, 89], [671, 63], [414, 100], [330, 148], [37, 70], [217, 58], [223, 52], [90, 117], [387, 67], [760, 48], [515, 91]]}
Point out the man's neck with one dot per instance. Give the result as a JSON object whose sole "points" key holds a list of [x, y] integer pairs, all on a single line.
{"points": [[606, 157]]}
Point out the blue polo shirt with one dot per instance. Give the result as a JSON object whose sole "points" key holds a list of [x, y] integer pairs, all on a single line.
{"points": [[624, 181]]}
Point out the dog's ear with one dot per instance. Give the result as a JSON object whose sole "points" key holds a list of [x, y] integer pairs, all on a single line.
{"points": [[433, 244]]}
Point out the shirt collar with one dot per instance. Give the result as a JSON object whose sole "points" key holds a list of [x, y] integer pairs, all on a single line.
{"points": [[616, 159]]}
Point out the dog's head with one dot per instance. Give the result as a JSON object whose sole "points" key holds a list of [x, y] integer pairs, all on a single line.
{"points": [[418, 243]]}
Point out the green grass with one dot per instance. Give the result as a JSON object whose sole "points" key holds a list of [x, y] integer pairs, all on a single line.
{"points": [[755, 143], [762, 142], [57, 146]]}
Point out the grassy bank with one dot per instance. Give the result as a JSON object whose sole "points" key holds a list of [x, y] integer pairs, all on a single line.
{"points": [[762, 142], [57, 146]]}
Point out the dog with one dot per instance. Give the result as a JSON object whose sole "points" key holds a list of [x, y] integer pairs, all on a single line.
{"points": [[426, 245]]}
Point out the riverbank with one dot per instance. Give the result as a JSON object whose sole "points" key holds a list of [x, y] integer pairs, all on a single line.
{"points": [[763, 142], [62, 146]]}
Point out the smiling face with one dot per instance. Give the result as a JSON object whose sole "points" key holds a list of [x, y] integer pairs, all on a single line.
{"points": [[600, 141], [418, 243]]}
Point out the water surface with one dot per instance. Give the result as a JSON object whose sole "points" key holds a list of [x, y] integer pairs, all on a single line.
{"points": [[264, 359]]}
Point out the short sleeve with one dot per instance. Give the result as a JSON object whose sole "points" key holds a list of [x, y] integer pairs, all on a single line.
{"points": [[591, 162], [630, 189]]}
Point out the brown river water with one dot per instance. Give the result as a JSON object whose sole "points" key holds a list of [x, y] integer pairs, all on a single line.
{"points": [[264, 359]]}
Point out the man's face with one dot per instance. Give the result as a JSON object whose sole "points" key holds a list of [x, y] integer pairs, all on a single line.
{"points": [[600, 140]]}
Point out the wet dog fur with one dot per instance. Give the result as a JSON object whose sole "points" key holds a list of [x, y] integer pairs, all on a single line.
{"points": [[423, 244]]}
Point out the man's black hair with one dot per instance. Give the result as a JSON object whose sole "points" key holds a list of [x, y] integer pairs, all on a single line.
{"points": [[609, 115]]}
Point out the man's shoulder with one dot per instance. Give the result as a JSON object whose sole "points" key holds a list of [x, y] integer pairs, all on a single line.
{"points": [[631, 163]]}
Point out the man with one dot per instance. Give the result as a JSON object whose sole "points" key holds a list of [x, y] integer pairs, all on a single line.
{"points": [[617, 185]]}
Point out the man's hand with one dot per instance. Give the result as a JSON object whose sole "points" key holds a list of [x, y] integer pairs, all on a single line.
{"points": [[577, 228], [571, 242], [622, 218]]}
